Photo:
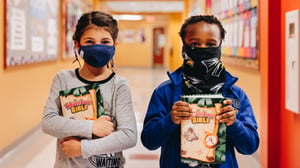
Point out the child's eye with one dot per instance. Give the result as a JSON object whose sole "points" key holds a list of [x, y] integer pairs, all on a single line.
{"points": [[106, 42], [89, 42], [211, 45], [195, 44]]}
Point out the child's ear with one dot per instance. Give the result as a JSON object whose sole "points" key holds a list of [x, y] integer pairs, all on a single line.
{"points": [[76, 44]]}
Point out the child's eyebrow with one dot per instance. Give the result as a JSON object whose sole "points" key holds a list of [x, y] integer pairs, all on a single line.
{"points": [[199, 40], [213, 40], [106, 38], [88, 38], [194, 39]]}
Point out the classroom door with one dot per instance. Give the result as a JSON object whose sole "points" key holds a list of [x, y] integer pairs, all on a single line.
{"points": [[158, 46]]}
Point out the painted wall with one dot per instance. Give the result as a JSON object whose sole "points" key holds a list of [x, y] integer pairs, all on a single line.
{"points": [[175, 58], [270, 47], [134, 53], [290, 122], [137, 53], [24, 90], [279, 136], [264, 70]]}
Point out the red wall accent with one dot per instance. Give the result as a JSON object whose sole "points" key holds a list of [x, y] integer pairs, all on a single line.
{"points": [[270, 69], [290, 122], [280, 129], [263, 62]]}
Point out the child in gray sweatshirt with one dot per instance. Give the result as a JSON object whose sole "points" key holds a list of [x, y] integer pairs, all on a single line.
{"points": [[99, 142]]}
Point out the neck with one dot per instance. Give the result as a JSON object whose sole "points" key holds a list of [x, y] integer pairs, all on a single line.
{"points": [[94, 74]]}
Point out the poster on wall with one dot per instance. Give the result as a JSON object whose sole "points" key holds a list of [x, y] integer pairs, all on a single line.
{"points": [[195, 7], [241, 40], [240, 20], [73, 10], [31, 32]]}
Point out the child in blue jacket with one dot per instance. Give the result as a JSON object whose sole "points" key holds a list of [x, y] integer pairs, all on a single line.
{"points": [[201, 72]]}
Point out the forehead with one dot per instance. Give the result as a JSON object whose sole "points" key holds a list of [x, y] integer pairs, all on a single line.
{"points": [[203, 30], [96, 33]]}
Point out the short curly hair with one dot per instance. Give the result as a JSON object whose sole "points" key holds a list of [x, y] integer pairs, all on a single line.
{"points": [[211, 19]]}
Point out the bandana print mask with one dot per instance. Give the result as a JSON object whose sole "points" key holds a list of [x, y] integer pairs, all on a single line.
{"points": [[203, 71], [97, 55]]}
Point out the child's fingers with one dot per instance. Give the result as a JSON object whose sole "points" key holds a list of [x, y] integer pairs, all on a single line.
{"points": [[227, 102], [107, 117]]}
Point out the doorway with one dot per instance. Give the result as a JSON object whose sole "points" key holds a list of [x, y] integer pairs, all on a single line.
{"points": [[158, 46]]}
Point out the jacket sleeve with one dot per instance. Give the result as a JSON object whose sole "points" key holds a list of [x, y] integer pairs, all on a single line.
{"points": [[243, 133], [158, 126]]}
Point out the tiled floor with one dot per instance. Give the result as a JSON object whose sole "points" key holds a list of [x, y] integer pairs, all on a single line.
{"points": [[38, 151]]}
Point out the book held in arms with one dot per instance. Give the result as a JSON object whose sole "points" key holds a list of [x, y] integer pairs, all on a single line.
{"points": [[82, 103], [203, 138], [86, 103]]}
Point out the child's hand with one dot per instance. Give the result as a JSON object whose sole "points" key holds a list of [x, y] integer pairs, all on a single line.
{"points": [[227, 113], [103, 126], [181, 111], [71, 147]]}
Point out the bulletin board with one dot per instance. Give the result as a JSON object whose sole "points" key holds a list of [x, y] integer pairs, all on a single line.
{"points": [[31, 31], [240, 20]]}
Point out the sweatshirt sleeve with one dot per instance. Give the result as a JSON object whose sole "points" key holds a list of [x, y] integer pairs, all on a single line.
{"points": [[56, 125], [243, 133], [125, 135], [158, 126]]}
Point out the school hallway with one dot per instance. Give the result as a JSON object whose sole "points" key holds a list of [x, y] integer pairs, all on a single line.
{"points": [[38, 149]]}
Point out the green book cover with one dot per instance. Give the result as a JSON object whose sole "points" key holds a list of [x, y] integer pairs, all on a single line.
{"points": [[203, 138]]}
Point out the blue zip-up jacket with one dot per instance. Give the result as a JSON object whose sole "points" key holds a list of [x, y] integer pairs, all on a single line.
{"points": [[160, 131]]}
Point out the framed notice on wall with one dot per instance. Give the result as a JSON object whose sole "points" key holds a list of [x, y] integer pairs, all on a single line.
{"points": [[31, 31]]}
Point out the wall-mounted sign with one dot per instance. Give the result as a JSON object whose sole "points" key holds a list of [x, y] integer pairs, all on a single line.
{"points": [[292, 54]]}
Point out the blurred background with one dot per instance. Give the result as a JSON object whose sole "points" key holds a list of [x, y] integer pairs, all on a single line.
{"points": [[36, 41]]}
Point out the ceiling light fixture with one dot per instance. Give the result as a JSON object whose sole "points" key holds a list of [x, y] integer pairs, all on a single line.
{"points": [[128, 17]]}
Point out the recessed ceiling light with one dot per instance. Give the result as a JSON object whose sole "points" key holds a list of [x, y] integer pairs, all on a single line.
{"points": [[128, 17]]}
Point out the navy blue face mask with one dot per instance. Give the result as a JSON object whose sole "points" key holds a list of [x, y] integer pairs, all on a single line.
{"points": [[97, 55]]}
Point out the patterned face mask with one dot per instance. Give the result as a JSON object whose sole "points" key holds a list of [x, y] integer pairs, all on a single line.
{"points": [[203, 71]]}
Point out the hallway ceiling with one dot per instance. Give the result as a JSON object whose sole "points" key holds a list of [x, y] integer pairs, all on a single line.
{"points": [[144, 6]]}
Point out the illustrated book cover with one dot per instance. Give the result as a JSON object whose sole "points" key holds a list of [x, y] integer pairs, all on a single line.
{"points": [[203, 138], [83, 103]]}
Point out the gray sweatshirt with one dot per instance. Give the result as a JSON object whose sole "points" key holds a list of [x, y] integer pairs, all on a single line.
{"points": [[100, 152]]}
